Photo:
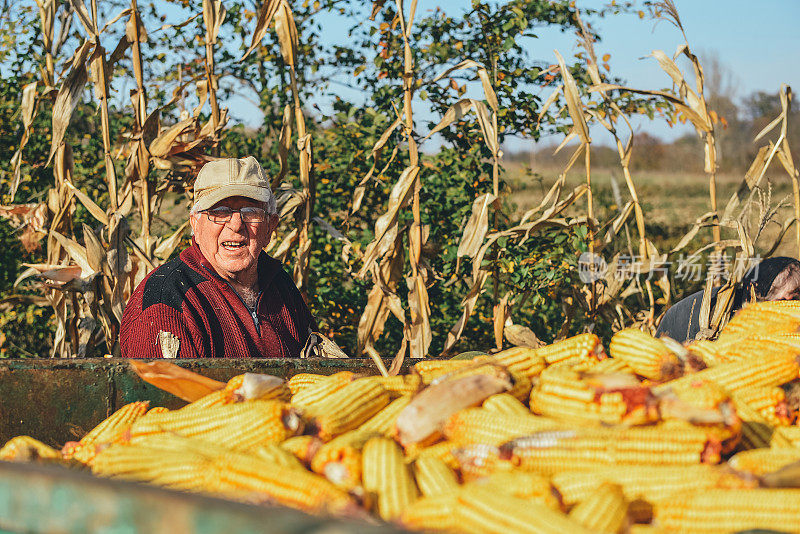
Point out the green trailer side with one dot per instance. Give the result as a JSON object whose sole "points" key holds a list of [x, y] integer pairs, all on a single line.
{"points": [[56, 401], [54, 499]]}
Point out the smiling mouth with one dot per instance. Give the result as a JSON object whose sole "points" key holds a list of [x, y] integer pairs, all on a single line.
{"points": [[233, 245]]}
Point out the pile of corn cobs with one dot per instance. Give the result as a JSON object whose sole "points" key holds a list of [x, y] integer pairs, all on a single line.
{"points": [[651, 437]]}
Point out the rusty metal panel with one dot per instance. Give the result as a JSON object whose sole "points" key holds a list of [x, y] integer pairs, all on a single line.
{"points": [[53, 499], [58, 400]]}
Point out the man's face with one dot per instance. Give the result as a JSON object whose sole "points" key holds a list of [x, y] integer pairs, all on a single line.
{"points": [[232, 248], [786, 285]]}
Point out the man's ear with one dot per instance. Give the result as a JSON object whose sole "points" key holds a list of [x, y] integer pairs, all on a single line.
{"points": [[193, 221]]}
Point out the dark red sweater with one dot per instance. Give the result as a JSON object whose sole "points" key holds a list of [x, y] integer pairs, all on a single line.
{"points": [[186, 298]]}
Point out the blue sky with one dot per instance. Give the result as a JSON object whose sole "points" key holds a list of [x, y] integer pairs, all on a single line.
{"points": [[757, 44]]}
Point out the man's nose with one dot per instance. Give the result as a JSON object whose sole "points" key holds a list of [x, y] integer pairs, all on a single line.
{"points": [[236, 221]]}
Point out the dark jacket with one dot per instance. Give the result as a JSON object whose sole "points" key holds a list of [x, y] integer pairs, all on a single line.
{"points": [[187, 300], [682, 320]]}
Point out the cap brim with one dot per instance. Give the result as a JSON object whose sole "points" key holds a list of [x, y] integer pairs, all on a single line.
{"points": [[259, 194]]}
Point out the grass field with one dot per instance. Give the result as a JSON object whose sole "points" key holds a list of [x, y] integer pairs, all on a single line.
{"points": [[671, 201]]}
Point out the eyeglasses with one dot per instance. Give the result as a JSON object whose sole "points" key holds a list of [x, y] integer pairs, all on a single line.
{"points": [[223, 214]]}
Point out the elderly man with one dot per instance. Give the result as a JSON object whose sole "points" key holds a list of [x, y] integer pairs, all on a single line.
{"points": [[772, 279], [223, 296]]}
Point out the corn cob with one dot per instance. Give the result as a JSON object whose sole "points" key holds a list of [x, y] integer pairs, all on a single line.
{"points": [[433, 476], [383, 421], [386, 476], [255, 386], [524, 485], [609, 365], [236, 426], [401, 385], [432, 514], [302, 447], [105, 432], [339, 460], [424, 418], [272, 452], [478, 461], [521, 361], [479, 425], [156, 409], [319, 392], [215, 398], [504, 403], [348, 408], [549, 452], [442, 450], [583, 347], [709, 352], [651, 483], [646, 355], [731, 510], [606, 510], [764, 460], [770, 402], [429, 370], [740, 375], [26, 449], [784, 434], [756, 430], [244, 476], [645, 529], [481, 510], [562, 393], [301, 381]]}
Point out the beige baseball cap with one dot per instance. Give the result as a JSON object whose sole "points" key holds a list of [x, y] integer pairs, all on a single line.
{"points": [[231, 177]]}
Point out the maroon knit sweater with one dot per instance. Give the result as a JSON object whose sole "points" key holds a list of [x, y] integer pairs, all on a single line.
{"points": [[187, 298]]}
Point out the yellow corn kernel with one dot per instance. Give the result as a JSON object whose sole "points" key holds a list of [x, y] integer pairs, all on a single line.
{"points": [[479, 425], [606, 510], [27, 449], [764, 460], [433, 476], [319, 392], [236, 426], [434, 513], [349, 407], [721, 510], [383, 421], [481, 510], [302, 447], [652, 483], [646, 355], [386, 476], [505, 404]]}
